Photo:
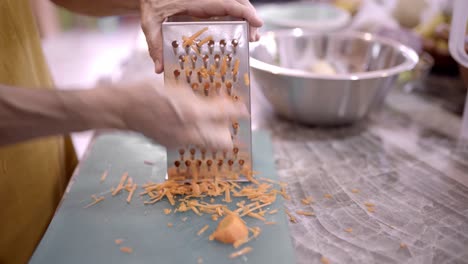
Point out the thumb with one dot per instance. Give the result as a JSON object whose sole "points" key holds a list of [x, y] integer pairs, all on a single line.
{"points": [[153, 33]]}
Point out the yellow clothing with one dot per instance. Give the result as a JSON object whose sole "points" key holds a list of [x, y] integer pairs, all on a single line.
{"points": [[33, 174]]}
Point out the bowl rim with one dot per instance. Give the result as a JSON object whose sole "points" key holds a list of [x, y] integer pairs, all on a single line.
{"points": [[411, 57], [340, 20]]}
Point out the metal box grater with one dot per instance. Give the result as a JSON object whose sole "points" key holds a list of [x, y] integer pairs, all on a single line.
{"points": [[210, 57]]}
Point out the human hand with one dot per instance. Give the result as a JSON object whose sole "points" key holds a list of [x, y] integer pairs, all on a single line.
{"points": [[153, 13], [175, 116]]}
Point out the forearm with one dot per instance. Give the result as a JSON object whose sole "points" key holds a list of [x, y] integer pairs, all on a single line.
{"points": [[31, 113], [101, 7]]}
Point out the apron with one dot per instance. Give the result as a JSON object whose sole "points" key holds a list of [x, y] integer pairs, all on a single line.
{"points": [[34, 173]]}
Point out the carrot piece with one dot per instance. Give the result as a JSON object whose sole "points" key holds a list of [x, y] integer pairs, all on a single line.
{"points": [[170, 224], [369, 204], [130, 194], [292, 218], [349, 230], [355, 191], [96, 200], [306, 201], [205, 40], [246, 79], [270, 223], [228, 195], [202, 230], [255, 208], [103, 176], [121, 184], [127, 250], [305, 213], [167, 211], [223, 67], [189, 41], [274, 211], [235, 70], [254, 215], [328, 196], [231, 229], [241, 252], [118, 241]]}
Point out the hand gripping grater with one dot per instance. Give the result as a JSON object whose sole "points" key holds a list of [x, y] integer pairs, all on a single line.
{"points": [[211, 58]]}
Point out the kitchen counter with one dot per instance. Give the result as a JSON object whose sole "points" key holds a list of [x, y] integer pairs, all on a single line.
{"points": [[403, 160]]}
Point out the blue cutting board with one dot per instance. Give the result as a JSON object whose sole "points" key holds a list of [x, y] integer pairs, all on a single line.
{"points": [[79, 235]]}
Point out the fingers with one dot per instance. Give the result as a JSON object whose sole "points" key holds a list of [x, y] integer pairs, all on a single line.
{"points": [[152, 30], [248, 12], [222, 110], [254, 36], [216, 136]]}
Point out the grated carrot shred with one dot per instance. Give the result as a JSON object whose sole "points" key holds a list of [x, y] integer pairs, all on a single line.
{"points": [[202, 230], [195, 210], [369, 204], [349, 230], [257, 216], [223, 66], [270, 223], [130, 194], [355, 191], [96, 200], [123, 179], [118, 241], [246, 79], [292, 218], [228, 195], [308, 200], [103, 176], [255, 231], [328, 196], [305, 213], [170, 224], [205, 40], [189, 41], [167, 211], [241, 252], [236, 67], [274, 211], [255, 208], [127, 250]]}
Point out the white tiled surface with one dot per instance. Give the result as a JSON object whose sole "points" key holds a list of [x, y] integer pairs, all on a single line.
{"points": [[78, 59]]}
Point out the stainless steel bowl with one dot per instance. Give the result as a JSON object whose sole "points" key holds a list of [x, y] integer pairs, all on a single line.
{"points": [[366, 67]]}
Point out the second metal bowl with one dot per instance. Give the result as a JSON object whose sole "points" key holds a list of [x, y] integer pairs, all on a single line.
{"points": [[365, 66]]}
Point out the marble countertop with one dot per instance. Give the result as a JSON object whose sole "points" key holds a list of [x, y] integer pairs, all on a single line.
{"points": [[403, 159]]}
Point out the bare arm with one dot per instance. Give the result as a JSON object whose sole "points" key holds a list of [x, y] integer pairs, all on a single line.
{"points": [[30, 113], [172, 117]]}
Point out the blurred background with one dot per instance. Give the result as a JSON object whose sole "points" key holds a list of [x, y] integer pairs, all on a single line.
{"points": [[82, 51]]}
